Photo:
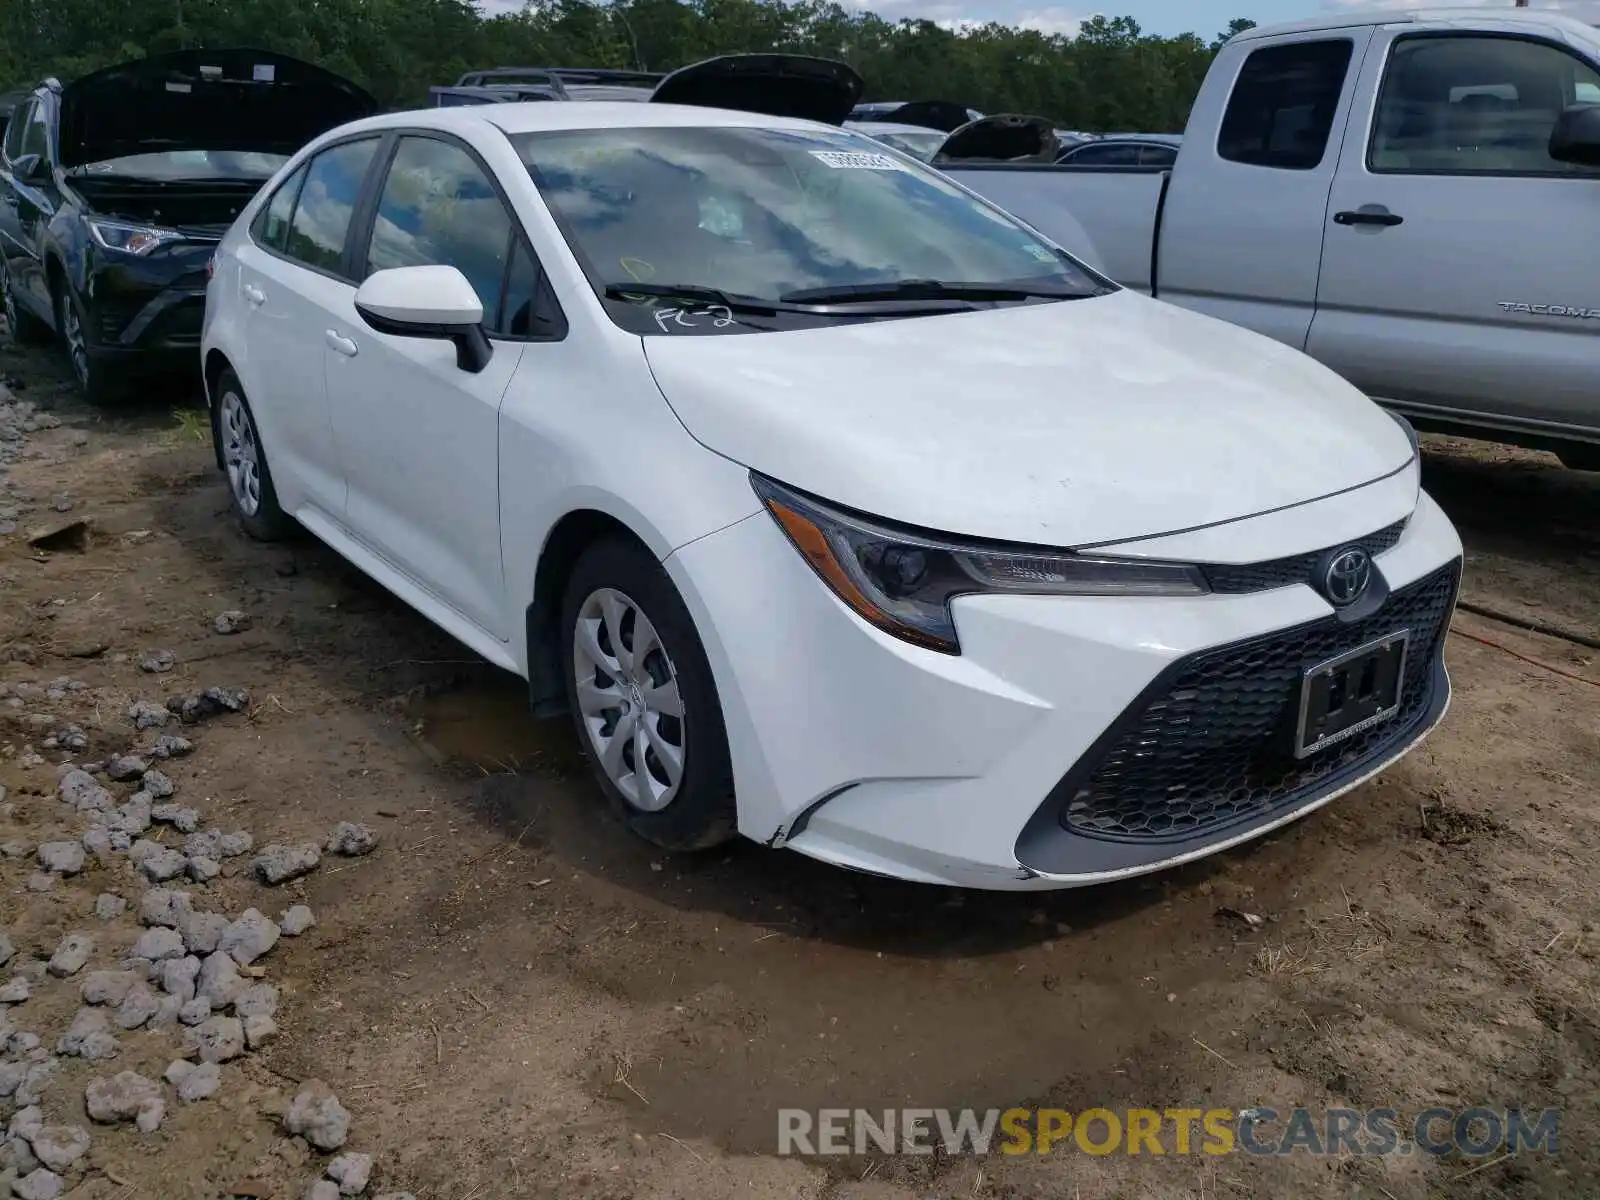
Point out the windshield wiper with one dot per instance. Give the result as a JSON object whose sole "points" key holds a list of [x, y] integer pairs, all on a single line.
{"points": [[932, 289], [822, 304], [696, 293]]}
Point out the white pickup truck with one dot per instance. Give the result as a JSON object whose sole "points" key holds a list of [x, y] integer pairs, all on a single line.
{"points": [[1411, 197]]}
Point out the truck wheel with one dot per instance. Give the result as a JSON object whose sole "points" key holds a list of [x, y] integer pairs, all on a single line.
{"points": [[23, 328], [255, 500], [643, 699]]}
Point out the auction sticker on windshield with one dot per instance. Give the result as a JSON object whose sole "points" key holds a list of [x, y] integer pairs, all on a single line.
{"points": [[859, 160]]}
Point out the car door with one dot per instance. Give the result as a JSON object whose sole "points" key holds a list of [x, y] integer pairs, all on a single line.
{"points": [[26, 206], [418, 435], [1458, 266], [1241, 227], [293, 275]]}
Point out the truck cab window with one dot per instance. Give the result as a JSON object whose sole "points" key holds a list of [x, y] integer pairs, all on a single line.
{"points": [[1283, 103], [1471, 105]]}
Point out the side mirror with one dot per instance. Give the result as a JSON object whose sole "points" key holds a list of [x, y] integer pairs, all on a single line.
{"points": [[30, 168], [1576, 138], [428, 302]]}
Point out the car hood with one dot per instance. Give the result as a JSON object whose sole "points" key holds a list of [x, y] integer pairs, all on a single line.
{"points": [[1062, 424], [245, 100], [777, 85]]}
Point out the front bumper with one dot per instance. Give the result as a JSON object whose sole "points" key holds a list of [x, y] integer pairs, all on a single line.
{"points": [[972, 770], [148, 310]]}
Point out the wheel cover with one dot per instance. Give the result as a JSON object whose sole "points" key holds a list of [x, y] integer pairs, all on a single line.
{"points": [[72, 331], [240, 453], [628, 699]]}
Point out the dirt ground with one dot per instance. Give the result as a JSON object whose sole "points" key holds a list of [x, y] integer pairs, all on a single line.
{"points": [[514, 999]]}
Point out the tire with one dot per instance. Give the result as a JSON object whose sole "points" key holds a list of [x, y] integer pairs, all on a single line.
{"points": [[22, 327], [244, 461], [93, 379], [613, 585]]}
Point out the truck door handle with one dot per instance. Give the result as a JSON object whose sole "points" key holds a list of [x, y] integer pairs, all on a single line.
{"points": [[254, 294], [341, 343], [1371, 214]]}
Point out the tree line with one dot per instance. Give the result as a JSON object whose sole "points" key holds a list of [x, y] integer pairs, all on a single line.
{"points": [[1110, 76]]}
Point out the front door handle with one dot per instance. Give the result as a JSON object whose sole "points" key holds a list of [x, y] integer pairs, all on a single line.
{"points": [[342, 344], [1368, 214], [254, 294]]}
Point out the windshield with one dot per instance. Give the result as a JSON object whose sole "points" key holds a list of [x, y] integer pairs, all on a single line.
{"points": [[921, 146], [191, 164], [768, 214]]}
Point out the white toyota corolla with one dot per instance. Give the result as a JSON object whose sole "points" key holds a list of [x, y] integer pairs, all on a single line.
{"points": [[840, 509]]}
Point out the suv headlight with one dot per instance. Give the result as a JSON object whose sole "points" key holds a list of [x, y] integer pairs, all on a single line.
{"points": [[903, 582], [126, 238]]}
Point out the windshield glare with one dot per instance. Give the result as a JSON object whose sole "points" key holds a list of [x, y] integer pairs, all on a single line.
{"points": [[763, 212], [192, 164]]}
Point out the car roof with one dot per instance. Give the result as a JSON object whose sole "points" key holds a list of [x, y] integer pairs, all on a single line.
{"points": [[1161, 139], [538, 116], [1357, 17], [892, 127]]}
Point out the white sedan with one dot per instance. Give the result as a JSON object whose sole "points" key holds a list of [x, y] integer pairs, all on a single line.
{"points": [[838, 508]]}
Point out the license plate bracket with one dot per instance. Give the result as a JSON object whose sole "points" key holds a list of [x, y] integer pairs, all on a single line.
{"points": [[1351, 692]]}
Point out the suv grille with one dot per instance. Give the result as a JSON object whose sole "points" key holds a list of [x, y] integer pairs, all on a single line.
{"points": [[1214, 745], [1297, 568]]}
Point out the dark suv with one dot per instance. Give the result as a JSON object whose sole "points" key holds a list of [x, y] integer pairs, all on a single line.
{"points": [[115, 189]]}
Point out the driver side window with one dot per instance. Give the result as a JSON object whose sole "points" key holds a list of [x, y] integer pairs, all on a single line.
{"points": [[35, 136], [439, 208], [19, 122]]}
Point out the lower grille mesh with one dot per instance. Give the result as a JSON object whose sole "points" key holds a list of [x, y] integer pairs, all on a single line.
{"points": [[1215, 746]]}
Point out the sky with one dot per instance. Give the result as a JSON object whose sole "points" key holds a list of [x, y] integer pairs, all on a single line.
{"points": [[1205, 17]]}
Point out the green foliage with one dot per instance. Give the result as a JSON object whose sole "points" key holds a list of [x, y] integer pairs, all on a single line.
{"points": [[1111, 76]]}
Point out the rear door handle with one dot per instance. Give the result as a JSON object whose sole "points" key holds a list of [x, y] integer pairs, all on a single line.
{"points": [[254, 294], [342, 344], [1370, 214]]}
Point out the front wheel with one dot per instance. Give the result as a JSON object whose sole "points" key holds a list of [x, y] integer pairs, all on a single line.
{"points": [[71, 320], [643, 699]]}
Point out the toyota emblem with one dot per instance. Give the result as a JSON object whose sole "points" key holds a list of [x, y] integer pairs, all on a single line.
{"points": [[1347, 575]]}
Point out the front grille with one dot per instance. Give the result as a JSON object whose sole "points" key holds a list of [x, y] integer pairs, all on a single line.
{"points": [[1296, 568], [1214, 745]]}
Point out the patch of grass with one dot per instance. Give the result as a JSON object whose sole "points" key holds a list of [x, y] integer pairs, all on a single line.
{"points": [[192, 423]]}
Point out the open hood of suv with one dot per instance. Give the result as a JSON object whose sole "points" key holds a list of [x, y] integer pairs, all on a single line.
{"points": [[246, 100], [1006, 137], [779, 85]]}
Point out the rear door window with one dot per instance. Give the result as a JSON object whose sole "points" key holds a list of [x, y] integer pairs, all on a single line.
{"points": [[1283, 104], [272, 226], [326, 205]]}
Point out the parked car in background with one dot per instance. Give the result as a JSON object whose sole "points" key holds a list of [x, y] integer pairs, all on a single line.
{"points": [[934, 114], [920, 143], [746, 442], [115, 189], [1412, 198], [501, 85], [1124, 150]]}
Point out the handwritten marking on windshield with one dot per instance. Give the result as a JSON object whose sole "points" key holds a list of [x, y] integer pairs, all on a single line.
{"points": [[719, 315]]}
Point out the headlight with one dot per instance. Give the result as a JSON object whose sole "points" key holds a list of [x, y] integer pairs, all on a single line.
{"points": [[1411, 432], [903, 582], [132, 239]]}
